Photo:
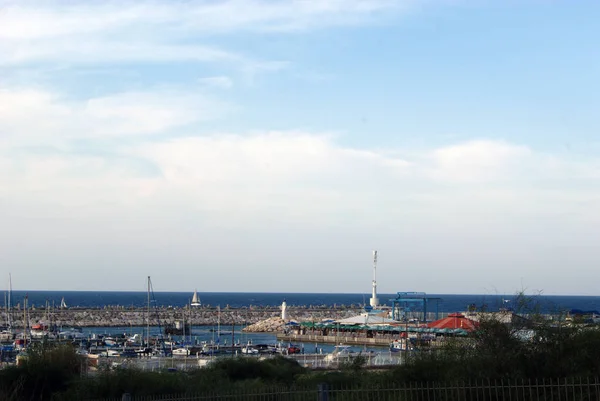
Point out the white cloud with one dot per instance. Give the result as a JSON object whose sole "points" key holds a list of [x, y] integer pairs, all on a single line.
{"points": [[36, 113], [293, 172], [86, 33], [99, 51], [34, 20], [265, 198], [478, 160]]}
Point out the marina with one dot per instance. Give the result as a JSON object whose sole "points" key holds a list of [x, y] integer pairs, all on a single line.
{"points": [[195, 334]]}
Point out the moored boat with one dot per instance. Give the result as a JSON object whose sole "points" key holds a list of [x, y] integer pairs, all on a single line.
{"points": [[401, 345]]}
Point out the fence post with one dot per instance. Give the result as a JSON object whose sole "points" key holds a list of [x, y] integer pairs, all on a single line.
{"points": [[126, 397], [323, 392]]}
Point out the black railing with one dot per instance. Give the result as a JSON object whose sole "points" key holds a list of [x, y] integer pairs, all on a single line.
{"points": [[578, 389]]}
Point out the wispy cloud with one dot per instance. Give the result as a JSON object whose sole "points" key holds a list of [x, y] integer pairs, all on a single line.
{"points": [[36, 114], [43, 19], [54, 31]]}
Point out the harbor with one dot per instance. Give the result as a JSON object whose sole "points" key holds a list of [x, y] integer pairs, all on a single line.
{"points": [[408, 321]]}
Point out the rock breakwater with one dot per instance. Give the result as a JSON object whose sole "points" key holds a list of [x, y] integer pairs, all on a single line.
{"points": [[203, 316], [270, 325]]}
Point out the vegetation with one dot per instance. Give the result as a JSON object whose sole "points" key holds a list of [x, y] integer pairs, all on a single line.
{"points": [[46, 370]]}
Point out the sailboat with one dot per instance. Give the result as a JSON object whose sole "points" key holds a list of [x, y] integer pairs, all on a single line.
{"points": [[7, 334], [63, 304], [195, 299]]}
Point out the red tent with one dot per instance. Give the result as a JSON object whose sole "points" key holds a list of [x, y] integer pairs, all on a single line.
{"points": [[454, 321]]}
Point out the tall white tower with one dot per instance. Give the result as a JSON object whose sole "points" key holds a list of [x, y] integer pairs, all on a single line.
{"points": [[284, 311], [374, 302]]}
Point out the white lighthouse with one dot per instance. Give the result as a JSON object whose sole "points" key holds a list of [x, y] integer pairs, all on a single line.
{"points": [[374, 302], [284, 311]]}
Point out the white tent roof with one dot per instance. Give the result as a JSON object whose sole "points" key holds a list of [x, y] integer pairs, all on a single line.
{"points": [[366, 319]]}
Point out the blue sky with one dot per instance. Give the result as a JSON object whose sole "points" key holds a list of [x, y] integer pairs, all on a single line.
{"points": [[270, 146]]}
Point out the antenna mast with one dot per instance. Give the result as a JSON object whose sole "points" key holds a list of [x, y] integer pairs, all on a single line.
{"points": [[374, 302]]}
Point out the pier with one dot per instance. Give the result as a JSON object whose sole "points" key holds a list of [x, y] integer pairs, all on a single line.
{"points": [[340, 339], [115, 316]]}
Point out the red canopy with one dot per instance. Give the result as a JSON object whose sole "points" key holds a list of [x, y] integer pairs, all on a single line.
{"points": [[454, 321]]}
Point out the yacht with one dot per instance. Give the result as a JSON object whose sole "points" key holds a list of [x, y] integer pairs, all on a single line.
{"points": [[249, 349], [7, 335], [181, 352], [71, 334], [195, 299], [341, 353], [401, 345]]}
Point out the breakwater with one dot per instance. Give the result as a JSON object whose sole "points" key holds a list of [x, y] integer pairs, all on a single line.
{"points": [[115, 316]]}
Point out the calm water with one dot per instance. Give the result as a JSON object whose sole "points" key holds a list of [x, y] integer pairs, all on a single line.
{"points": [[448, 302], [228, 334]]}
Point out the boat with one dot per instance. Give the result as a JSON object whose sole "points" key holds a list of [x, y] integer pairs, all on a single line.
{"points": [[6, 335], [136, 339], [177, 329], [39, 327], [42, 334], [128, 353], [159, 343], [71, 334], [181, 352], [401, 345], [63, 304], [266, 348], [249, 349], [110, 342], [341, 353], [110, 353], [195, 299]]}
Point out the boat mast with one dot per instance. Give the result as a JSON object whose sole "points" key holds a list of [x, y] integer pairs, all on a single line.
{"points": [[148, 317], [25, 321], [183, 328], [218, 321], [190, 322], [10, 302]]}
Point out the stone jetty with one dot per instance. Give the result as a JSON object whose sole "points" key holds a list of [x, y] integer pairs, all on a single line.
{"points": [[270, 325], [115, 316]]}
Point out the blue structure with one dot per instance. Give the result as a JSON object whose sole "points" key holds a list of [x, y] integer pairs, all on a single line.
{"points": [[413, 302]]}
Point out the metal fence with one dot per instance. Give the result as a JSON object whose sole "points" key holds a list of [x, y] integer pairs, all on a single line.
{"points": [[312, 361], [580, 389]]}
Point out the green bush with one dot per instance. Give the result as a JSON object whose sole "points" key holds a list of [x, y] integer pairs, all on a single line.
{"points": [[47, 369]]}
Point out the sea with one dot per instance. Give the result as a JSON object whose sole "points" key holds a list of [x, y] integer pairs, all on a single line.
{"points": [[445, 302]]}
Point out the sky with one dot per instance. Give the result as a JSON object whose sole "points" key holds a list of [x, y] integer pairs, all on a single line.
{"points": [[264, 145]]}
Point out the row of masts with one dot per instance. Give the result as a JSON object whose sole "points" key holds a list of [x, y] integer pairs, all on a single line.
{"points": [[9, 309]]}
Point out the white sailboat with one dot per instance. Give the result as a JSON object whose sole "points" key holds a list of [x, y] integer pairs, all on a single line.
{"points": [[195, 299], [7, 334], [63, 304]]}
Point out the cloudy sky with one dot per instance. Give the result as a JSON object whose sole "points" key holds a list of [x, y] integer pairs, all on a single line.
{"points": [[263, 145]]}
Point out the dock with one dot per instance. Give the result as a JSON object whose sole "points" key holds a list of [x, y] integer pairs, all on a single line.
{"points": [[339, 339]]}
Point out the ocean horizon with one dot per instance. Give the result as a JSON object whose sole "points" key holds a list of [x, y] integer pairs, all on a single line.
{"points": [[446, 303]]}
